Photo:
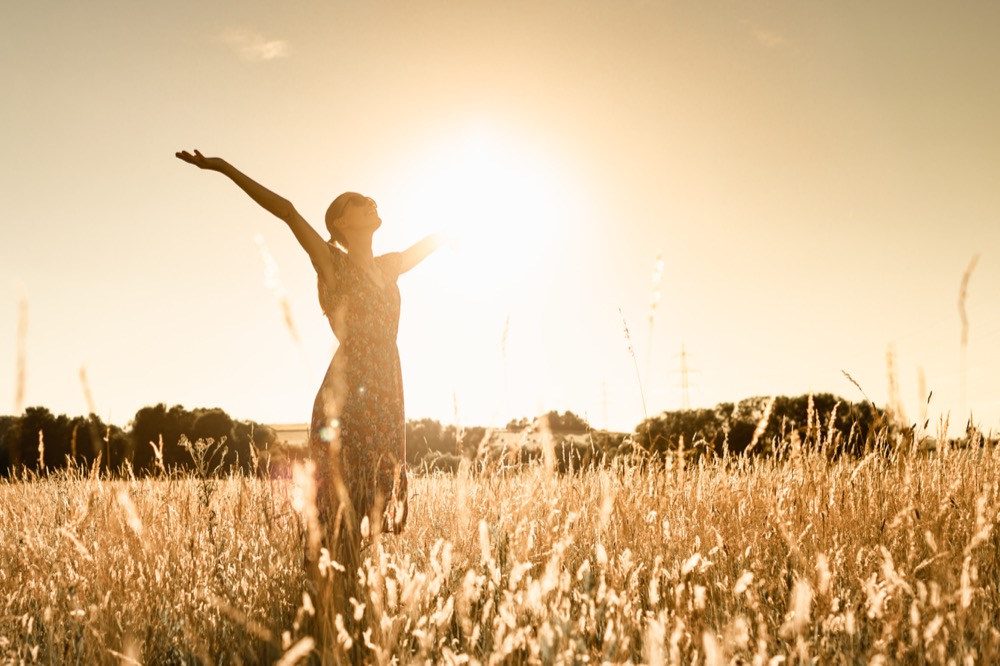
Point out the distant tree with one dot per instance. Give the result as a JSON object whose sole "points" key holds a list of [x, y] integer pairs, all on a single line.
{"points": [[576, 454], [441, 462], [472, 438], [732, 427], [8, 425], [515, 425], [80, 439], [247, 435], [426, 437], [263, 436], [216, 425], [40, 428], [696, 428], [146, 430], [87, 439], [119, 448], [211, 424], [152, 425], [422, 437], [449, 442], [851, 427], [567, 422], [179, 422], [607, 443], [564, 423]]}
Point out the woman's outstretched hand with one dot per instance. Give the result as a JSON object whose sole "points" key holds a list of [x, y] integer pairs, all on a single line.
{"points": [[200, 161]]}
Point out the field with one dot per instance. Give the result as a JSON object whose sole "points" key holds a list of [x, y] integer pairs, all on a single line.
{"points": [[888, 558]]}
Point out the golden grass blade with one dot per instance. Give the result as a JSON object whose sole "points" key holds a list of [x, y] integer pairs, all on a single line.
{"points": [[21, 379]]}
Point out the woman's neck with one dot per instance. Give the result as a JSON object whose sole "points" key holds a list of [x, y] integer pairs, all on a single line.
{"points": [[359, 250], [362, 256]]}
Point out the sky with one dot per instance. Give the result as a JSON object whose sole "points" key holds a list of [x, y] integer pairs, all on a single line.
{"points": [[786, 190]]}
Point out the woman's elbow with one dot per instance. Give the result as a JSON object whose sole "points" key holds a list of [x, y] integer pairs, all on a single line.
{"points": [[285, 210]]}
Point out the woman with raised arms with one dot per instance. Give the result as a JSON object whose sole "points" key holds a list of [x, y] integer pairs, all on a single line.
{"points": [[357, 433]]}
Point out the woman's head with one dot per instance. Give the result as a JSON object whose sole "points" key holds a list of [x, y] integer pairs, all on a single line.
{"points": [[351, 212]]}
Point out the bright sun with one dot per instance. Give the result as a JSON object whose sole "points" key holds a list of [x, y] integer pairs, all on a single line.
{"points": [[480, 303], [504, 204]]}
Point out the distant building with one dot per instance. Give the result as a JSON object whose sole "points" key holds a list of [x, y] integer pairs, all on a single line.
{"points": [[292, 434]]}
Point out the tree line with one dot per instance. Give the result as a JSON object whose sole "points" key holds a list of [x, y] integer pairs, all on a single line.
{"points": [[848, 428], [754, 426], [157, 437]]}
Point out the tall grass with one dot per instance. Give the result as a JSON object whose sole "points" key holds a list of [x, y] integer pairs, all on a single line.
{"points": [[98, 571], [893, 557]]}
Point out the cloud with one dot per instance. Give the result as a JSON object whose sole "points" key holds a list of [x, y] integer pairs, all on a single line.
{"points": [[253, 46], [768, 38]]}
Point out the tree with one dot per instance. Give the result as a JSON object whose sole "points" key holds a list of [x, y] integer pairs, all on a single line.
{"points": [[211, 424], [732, 427], [87, 439], [697, 428], [44, 440], [247, 435], [422, 437], [152, 425], [217, 426], [851, 428], [567, 422], [427, 437], [179, 421], [471, 440], [516, 425], [119, 448], [8, 426], [148, 428], [80, 439]]}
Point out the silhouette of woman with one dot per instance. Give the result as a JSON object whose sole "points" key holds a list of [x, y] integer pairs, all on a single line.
{"points": [[357, 433]]}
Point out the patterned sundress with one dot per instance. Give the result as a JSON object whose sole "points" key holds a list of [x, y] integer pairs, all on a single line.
{"points": [[358, 431]]}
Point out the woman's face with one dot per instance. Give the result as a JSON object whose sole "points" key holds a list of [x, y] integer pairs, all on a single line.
{"points": [[360, 213]]}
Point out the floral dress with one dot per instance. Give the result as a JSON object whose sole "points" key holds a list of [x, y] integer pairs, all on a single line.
{"points": [[358, 433]]}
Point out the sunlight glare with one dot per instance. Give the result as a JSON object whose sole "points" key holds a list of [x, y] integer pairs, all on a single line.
{"points": [[506, 202], [501, 203]]}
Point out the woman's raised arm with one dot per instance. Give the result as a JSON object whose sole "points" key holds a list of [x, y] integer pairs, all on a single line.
{"points": [[308, 238], [419, 251]]}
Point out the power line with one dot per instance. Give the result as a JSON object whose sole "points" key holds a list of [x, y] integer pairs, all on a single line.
{"points": [[685, 378]]}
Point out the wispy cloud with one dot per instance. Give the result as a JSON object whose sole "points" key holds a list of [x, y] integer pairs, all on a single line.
{"points": [[253, 46], [768, 38]]}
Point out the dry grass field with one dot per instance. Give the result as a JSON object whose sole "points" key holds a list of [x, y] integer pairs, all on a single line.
{"points": [[892, 558]]}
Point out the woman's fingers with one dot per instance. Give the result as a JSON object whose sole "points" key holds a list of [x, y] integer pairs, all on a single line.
{"points": [[197, 159]]}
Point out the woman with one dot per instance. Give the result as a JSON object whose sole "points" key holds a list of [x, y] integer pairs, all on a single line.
{"points": [[357, 433]]}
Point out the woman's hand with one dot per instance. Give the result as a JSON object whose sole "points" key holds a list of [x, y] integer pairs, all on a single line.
{"points": [[200, 161], [275, 204]]}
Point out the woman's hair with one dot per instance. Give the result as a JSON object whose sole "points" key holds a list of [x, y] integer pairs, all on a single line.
{"points": [[334, 212]]}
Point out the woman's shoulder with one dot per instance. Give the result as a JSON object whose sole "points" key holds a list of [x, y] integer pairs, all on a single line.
{"points": [[390, 263]]}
